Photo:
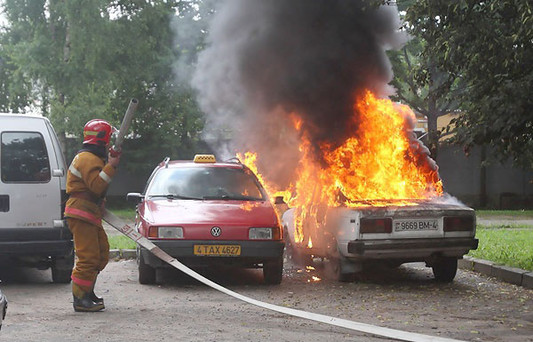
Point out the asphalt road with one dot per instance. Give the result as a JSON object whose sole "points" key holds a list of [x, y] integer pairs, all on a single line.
{"points": [[472, 308]]}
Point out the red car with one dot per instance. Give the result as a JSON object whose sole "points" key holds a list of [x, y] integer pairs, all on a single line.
{"points": [[206, 213]]}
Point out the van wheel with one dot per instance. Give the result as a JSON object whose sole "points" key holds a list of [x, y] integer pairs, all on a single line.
{"points": [[146, 272], [273, 271], [445, 270], [62, 269]]}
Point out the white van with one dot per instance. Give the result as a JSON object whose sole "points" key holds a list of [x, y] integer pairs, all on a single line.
{"points": [[33, 231]]}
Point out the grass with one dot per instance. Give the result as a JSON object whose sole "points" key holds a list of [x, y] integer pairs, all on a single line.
{"points": [[518, 214], [508, 246], [505, 226], [127, 214], [121, 242]]}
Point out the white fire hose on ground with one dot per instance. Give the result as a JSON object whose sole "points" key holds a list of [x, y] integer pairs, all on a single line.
{"points": [[130, 232]]}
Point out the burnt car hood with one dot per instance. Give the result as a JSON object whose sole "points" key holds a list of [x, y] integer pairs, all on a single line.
{"points": [[184, 212]]}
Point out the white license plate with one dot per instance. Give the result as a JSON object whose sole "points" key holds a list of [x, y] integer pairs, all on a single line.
{"points": [[415, 225]]}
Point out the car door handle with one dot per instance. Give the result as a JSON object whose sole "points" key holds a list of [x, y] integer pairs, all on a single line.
{"points": [[58, 172], [4, 203]]}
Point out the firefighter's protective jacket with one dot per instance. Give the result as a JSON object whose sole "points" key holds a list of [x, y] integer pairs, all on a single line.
{"points": [[87, 180]]}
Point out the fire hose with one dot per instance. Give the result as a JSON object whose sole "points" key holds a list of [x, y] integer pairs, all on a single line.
{"points": [[133, 234]]}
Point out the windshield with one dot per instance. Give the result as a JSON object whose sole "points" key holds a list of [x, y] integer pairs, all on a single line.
{"points": [[206, 183]]}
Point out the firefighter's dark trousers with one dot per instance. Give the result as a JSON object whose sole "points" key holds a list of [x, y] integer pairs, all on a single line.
{"points": [[92, 254]]}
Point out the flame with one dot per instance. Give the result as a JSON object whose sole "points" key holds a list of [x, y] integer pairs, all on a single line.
{"points": [[250, 160], [383, 162]]}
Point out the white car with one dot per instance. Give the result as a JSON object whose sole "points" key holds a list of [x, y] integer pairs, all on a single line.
{"points": [[32, 195], [432, 231]]}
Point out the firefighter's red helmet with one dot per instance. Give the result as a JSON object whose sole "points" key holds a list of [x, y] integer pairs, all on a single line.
{"points": [[97, 132]]}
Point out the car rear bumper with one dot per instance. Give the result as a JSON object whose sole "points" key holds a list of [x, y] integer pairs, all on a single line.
{"points": [[252, 252], [408, 249], [35, 242]]}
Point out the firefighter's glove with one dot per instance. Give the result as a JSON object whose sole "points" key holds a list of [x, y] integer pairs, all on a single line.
{"points": [[113, 158]]}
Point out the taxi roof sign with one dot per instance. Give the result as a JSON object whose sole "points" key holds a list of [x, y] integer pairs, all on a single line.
{"points": [[204, 158]]}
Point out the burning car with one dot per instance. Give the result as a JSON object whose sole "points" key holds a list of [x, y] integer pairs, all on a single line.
{"points": [[431, 231], [207, 213], [3, 308], [375, 197]]}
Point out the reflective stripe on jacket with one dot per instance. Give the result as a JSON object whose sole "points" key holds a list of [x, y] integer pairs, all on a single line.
{"points": [[87, 173]]}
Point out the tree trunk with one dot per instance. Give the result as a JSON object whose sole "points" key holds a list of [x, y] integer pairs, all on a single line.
{"points": [[433, 133]]}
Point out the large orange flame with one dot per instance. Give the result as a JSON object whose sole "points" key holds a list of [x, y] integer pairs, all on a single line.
{"points": [[383, 162]]}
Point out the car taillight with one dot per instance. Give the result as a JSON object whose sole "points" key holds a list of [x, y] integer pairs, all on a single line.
{"points": [[380, 225], [458, 223]]}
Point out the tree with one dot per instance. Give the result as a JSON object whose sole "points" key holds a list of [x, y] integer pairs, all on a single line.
{"points": [[74, 61], [488, 46]]}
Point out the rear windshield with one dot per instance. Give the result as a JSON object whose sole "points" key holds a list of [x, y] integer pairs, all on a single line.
{"points": [[206, 183], [24, 158]]}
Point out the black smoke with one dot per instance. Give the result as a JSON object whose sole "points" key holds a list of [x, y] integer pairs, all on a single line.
{"points": [[267, 59]]}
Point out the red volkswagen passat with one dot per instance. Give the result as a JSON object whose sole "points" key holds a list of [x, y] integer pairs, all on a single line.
{"points": [[206, 213]]}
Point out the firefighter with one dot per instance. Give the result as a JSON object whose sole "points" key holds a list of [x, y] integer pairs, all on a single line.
{"points": [[87, 180]]}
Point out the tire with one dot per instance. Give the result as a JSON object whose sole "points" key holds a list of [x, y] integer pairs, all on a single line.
{"points": [[62, 269], [343, 270], [300, 258], [146, 272], [445, 270], [339, 271], [273, 271]]}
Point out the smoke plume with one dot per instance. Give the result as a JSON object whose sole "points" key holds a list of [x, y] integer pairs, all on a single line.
{"points": [[267, 59]]}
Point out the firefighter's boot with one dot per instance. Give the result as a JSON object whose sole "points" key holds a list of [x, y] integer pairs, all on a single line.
{"points": [[82, 301], [95, 298], [86, 304]]}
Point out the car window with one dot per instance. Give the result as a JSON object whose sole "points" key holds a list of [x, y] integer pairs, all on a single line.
{"points": [[206, 183], [24, 157]]}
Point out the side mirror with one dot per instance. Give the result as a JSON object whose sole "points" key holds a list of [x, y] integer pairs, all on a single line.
{"points": [[134, 197]]}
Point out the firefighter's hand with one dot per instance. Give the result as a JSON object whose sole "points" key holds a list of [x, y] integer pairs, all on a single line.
{"points": [[113, 159]]}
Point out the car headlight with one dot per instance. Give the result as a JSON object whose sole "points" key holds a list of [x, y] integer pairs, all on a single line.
{"points": [[166, 232], [260, 234]]}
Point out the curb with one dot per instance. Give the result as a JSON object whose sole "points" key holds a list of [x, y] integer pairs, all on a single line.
{"points": [[122, 254], [507, 274]]}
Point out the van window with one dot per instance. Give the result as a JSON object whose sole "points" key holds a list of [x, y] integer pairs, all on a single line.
{"points": [[24, 157]]}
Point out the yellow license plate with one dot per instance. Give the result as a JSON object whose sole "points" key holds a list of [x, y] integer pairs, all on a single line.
{"points": [[217, 250]]}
